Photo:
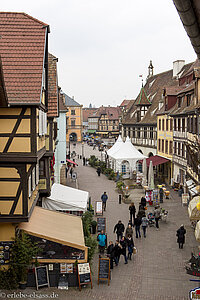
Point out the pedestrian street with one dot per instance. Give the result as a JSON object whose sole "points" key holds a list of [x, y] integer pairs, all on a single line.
{"points": [[157, 270]]}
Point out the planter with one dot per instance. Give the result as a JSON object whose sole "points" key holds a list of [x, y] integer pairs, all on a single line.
{"points": [[22, 285]]}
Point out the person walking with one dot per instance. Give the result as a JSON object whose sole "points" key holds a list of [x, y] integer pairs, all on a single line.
{"points": [[101, 238], [132, 211], [130, 245], [143, 201], [98, 171], [129, 231], [144, 224], [157, 216], [84, 160], [104, 199], [123, 244], [119, 228], [181, 236], [110, 253], [137, 226], [117, 252]]}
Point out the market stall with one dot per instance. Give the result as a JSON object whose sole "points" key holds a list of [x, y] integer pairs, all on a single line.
{"points": [[125, 158], [66, 199], [60, 236], [197, 231]]}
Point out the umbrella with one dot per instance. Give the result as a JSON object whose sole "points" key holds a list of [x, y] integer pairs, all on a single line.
{"points": [[151, 176], [144, 171]]}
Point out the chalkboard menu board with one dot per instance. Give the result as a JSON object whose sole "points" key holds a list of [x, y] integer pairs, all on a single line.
{"points": [[41, 276], [104, 269], [101, 224], [84, 274], [5, 248]]}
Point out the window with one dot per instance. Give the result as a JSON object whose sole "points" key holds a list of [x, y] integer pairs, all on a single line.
{"points": [[163, 124], [171, 124], [42, 123], [175, 145], [41, 168], [138, 116], [162, 145], [188, 100], [166, 147], [179, 101], [73, 122], [170, 147], [183, 150], [151, 132], [179, 124], [73, 112], [138, 133], [166, 124], [174, 124], [113, 127], [106, 127], [159, 145], [134, 132], [183, 125], [191, 125], [179, 148], [145, 132], [129, 131], [159, 124], [196, 126], [188, 124]]}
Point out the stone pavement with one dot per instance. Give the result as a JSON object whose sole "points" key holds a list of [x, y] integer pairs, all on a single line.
{"points": [[157, 270]]}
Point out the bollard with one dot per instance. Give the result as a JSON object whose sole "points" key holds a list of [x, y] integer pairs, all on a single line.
{"points": [[120, 198]]}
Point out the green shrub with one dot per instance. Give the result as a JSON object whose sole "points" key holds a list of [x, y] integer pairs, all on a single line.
{"points": [[90, 241], [92, 160], [120, 185], [8, 279]]}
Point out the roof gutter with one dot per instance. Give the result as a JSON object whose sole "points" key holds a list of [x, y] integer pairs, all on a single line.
{"points": [[190, 23]]}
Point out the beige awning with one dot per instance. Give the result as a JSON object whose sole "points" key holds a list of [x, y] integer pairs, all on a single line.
{"points": [[194, 213], [56, 226]]}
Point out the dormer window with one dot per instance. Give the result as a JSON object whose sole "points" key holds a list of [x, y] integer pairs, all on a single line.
{"points": [[188, 100]]}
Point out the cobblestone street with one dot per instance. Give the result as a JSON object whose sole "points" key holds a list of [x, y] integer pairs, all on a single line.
{"points": [[157, 270]]}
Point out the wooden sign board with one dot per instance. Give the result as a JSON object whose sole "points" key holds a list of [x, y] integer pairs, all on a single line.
{"points": [[41, 276], [99, 208], [101, 224], [104, 269], [84, 274]]}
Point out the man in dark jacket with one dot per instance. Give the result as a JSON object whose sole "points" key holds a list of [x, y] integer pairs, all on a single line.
{"points": [[119, 228], [104, 199], [123, 244], [181, 236], [110, 253], [138, 222], [132, 213]]}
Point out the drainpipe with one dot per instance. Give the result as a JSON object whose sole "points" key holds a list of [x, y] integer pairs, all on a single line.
{"points": [[190, 23]]}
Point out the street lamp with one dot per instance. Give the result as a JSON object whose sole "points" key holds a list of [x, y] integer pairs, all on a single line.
{"points": [[70, 139]]}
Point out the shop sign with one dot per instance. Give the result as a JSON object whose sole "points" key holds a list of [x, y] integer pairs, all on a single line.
{"points": [[194, 294], [5, 252], [42, 184]]}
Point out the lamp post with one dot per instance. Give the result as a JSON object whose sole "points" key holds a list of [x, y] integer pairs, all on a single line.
{"points": [[70, 137]]}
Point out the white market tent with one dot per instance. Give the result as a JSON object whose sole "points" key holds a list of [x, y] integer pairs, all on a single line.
{"points": [[116, 146], [65, 198], [197, 231], [194, 213], [126, 157]]}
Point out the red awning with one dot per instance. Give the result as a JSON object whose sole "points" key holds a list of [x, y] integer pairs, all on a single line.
{"points": [[71, 162], [156, 160]]}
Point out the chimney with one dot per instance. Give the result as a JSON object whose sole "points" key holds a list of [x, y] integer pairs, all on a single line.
{"points": [[177, 66]]}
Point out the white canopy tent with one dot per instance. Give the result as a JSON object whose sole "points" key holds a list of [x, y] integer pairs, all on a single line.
{"points": [[64, 198], [125, 157], [116, 146]]}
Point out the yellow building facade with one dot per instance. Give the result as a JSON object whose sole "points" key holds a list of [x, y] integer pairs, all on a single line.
{"points": [[165, 145], [74, 126]]}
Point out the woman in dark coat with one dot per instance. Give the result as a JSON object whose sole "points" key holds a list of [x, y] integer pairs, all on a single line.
{"points": [[181, 236]]}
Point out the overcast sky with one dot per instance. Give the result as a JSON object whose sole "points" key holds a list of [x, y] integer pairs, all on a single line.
{"points": [[104, 45]]}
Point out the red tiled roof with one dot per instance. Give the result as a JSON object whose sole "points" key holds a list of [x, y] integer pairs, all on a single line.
{"points": [[62, 106], [52, 87], [22, 43], [88, 112], [113, 113], [125, 102]]}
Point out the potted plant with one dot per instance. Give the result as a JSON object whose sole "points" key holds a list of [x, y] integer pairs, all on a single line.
{"points": [[23, 252]]}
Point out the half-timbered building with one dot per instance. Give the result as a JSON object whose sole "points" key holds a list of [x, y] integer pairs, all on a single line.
{"points": [[23, 117]]}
